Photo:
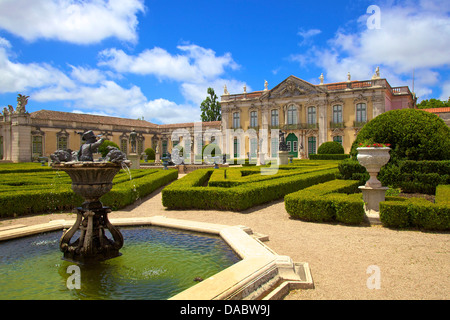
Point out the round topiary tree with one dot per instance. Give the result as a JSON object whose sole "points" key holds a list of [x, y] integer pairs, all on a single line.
{"points": [[330, 147], [413, 135], [150, 153], [103, 149]]}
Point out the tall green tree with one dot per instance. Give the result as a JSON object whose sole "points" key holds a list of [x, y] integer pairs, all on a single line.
{"points": [[210, 107]]}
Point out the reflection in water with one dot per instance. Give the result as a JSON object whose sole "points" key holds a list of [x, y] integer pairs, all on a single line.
{"points": [[156, 263]]}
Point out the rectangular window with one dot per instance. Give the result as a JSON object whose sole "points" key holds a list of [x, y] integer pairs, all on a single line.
{"points": [[37, 145], [288, 143], [274, 118], [124, 146], [236, 148], [236, 120], [292, 115], [140, 146], [311, 145], [295, 144], [312, 116], [253, 119], [274, 147], [361, 113], [253, 148], [62, 143], [337, 114]]}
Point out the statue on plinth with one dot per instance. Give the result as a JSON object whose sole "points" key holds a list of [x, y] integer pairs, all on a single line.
{"points": [[133, 135]]}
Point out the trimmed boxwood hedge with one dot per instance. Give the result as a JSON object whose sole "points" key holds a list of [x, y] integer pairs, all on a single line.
{"points": [[190, 192], [50, 191], [330, 147], [327, 202], [329, 156], [398, 212]]}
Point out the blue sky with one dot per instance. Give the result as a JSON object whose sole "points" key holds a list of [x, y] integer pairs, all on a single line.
{"points": [[156, 59]]}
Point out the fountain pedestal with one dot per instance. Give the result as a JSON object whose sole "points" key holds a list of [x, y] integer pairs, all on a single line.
{"points": [[91, 180]]}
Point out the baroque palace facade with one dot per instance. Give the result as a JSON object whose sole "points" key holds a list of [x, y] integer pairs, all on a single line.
{"points": [[25, 137], [307, 114]]}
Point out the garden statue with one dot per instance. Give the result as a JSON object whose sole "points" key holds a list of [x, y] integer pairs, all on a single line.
{"points": [[133, 135], [89, 147], [61, 156], [115, 155], [283, 146], [22, 101]]}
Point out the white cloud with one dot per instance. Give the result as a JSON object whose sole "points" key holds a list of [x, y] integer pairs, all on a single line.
{"points": [[195, 64], [412, 36], [17, 76], [196, 92], [80, 22], [195, 68], [166, 112], [108, 97], [87, 75], [307, 35], [445, 95]]}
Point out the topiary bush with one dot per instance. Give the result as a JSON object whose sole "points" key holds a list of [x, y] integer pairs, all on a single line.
{"points": [[103, 149], [150, 153], [413, 135], [330, 147]]}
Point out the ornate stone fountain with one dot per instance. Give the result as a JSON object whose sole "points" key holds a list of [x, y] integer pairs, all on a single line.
{"points": [[91, 180]]}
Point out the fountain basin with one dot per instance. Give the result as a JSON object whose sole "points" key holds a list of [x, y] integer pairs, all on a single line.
{"points": [[260, 274]]}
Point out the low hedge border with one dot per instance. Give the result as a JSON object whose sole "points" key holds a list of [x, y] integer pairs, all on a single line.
{"points": [[230, 177], [187, 192], [332, 201], [398, 212], [329, 156], [32, 199]]}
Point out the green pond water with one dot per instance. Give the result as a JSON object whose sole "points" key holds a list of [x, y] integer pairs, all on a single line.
{"points": [[156, 263]]}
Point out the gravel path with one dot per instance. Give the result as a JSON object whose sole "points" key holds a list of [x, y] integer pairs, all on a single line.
{"points": [[413, 264]]}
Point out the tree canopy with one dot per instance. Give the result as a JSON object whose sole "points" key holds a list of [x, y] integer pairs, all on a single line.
{"points": [[210, 107], [433, 103]]}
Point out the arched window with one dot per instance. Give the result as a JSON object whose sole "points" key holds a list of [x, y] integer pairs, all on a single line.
{"points": [[292, 115], [338, 139]]}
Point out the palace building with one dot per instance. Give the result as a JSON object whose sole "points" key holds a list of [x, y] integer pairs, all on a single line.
{"points": [[25, 137], [308, 114]]}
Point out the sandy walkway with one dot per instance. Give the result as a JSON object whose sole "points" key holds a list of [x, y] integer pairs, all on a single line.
{"points": [[413, 264]]}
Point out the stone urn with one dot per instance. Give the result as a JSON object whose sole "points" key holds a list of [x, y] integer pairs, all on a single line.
{"points": [[373, 158]]}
